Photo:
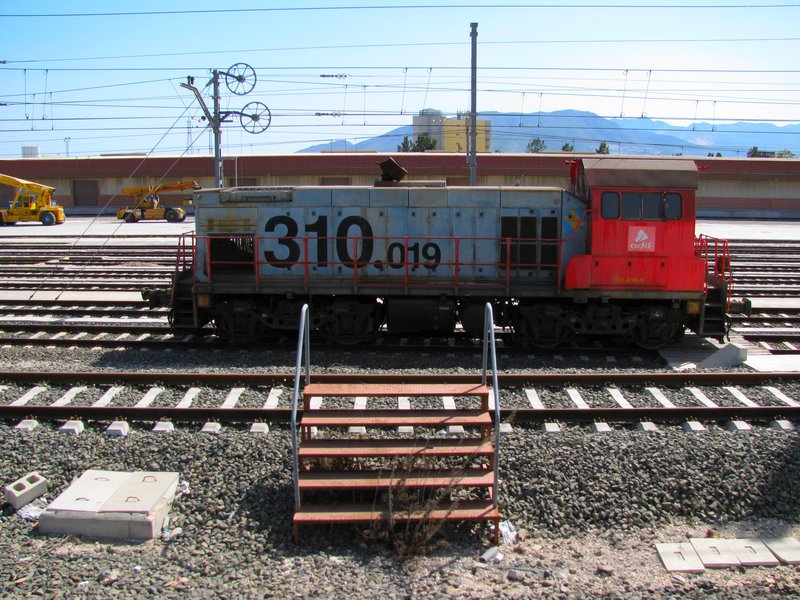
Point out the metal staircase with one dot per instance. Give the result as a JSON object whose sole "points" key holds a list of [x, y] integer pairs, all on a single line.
{"points": [[388, 466]]}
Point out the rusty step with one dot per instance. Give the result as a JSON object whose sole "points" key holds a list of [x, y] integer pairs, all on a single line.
{"points": [[394, 417], [474, 510], [361, 480], [355, 448], [347, 390]]}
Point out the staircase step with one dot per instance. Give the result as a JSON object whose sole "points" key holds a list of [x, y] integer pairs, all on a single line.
{"points": [[360, 480], [394, 417], [480, 510], [353, 448], [346, 390]]}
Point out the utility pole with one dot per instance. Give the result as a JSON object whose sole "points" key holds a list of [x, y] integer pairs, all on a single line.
{"points": [[473, 112], [255, 117], [66, 142]]}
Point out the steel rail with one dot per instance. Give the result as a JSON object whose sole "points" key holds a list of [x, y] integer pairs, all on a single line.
{"points": [[284, 415], [505, 379]]}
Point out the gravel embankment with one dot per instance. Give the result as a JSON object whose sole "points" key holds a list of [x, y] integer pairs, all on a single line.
{"points": [[589, 507]]}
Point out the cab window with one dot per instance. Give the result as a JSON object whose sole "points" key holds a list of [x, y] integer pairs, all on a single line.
{"points": [[631, 206], [649, 206], [672, 206], [609, 205], [652, 207]]}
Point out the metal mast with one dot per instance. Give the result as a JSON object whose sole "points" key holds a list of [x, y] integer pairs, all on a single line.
{"points": [[255, 117], [473, 112]]}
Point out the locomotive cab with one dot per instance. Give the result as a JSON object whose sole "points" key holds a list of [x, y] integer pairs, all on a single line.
{"points": [[642, 251]]}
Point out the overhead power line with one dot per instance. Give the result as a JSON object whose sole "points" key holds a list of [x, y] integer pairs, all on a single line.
{"points": [[581, 6], [736, 40]]}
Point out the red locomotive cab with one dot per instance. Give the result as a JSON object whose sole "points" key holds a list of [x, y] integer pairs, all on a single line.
{"points": [[643, 221]]}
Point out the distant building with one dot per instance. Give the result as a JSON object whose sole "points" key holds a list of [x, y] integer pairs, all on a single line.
{"points": [[452, 135]]}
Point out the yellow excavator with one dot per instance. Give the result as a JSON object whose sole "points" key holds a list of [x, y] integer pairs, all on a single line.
{"points": [[32, 202], [147, 205]]}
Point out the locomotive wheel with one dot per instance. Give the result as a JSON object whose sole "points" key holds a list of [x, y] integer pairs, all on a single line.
{"points": [[542, 328], [237, 323], [351, 324], [652, 334]]}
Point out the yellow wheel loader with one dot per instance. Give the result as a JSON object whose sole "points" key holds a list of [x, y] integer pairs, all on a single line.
{"points": [[32, 202], [147, 205]]}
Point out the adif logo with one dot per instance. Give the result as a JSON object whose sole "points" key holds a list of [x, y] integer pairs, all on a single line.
{"points": [[642, 239]]}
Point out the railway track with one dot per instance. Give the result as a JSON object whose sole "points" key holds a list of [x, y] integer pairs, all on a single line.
{"points": [[566, 398], [109, 275]]}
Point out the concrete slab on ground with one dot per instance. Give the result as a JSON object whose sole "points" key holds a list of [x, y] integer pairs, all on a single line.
{"points": [[680, 558], [75, 296], [786, 549], [715, 553], [774, 362], [112, 505], [689, 352], [753, 553], [774, 304]]}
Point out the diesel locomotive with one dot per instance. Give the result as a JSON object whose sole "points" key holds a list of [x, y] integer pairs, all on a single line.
{"points": [[614, 255]]}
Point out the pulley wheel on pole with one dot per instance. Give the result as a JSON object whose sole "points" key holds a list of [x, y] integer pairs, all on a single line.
{"points": [[240, 79], [255, 117]]}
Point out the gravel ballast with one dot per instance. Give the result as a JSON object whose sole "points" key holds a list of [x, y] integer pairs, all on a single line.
{"points": [[589, 508]]}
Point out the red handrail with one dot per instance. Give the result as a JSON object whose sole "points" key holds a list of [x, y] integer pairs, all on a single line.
{"points": [[504, 268]]}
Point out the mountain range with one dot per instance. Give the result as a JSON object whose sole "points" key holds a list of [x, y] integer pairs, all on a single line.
{"points": [[585, 130]]}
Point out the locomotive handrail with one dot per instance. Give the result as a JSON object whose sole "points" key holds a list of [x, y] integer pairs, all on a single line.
{"points": [[186, 247], [720, 266], [410, 255], [490, 355], [303, 350]]}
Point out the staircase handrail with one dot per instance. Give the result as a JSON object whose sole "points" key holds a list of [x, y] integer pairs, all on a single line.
{"points": [[303, 350], [490, 355]]}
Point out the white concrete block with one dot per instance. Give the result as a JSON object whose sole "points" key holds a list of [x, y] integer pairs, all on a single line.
{"points": [[27, 424], [782, 425], [753, 553], [25, 489], [118, 429], [164, 427], [112, 504], [601, 428], [211, 428], [72, 427], [738, 426], [259, 428], [646, 426], [730, 355], [680, 558], [359, 403], [89, 492], [693, 426], [715, 553], [551, 427], [404, 403], [786, 549]]}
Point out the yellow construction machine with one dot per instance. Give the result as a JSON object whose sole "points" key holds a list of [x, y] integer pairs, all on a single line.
{"points": [[32, 202], [147, 205]]}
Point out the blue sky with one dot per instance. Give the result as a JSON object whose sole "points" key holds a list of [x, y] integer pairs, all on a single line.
{"points": [[78, 76]]}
